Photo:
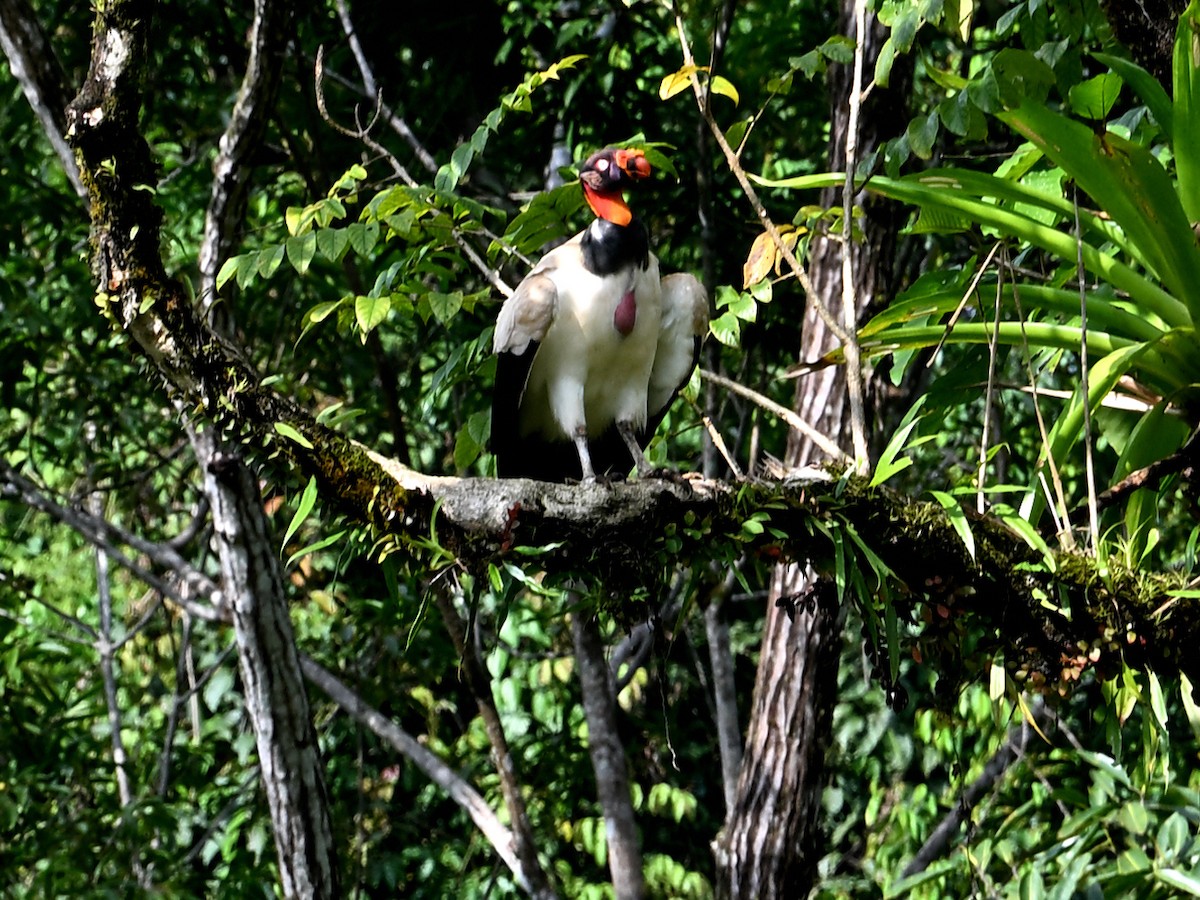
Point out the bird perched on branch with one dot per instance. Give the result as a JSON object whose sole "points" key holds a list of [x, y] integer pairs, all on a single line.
{"points": [[593, 345]]}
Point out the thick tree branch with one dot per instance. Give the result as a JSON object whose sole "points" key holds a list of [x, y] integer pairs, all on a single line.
{"points": [[116, 167]]}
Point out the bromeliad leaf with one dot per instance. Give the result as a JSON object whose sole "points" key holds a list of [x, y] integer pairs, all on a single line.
{"points": [[958, 519], [290, 432], [308, 500]]}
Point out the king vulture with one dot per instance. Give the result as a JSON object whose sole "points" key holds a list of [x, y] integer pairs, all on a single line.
{"points": [[593, 345]]}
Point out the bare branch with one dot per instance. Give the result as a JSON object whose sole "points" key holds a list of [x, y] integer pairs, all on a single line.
{"points": [[608, 759], [720, 658], [242, 138], [795, 421], [456, 787], [854, 369], [1011, 752], [372, 89], [479, 681], [34, 64], [184, 585]]}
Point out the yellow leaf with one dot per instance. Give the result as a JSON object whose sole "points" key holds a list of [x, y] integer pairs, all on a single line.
{"points": [[724, 87], [761, 260], [791, 237], [678, 81], [1025, 711]]}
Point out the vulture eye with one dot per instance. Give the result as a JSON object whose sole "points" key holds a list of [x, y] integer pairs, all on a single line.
{"points": [[602, 165]]}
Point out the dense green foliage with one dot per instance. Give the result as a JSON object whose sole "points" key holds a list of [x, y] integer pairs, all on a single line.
{"points": [[351, 290]]}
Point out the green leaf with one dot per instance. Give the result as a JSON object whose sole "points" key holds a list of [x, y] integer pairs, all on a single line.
{"points": [[291, 217], [737, 132], [1180, 881], [227, 271], [1186, 115], [300, 251], [363, 236], [247, 268], [890, 461], [964, 192], [269, 259], [220, 685], [1130, 184], [1145, 85], [308, 499], [369, 312], [722, 86], [678, 81], [726, 328], [289, 432], [1092, 99], [1021, 77], [958, 519], [922, 133], [1068, 429], [327, 541], [332, 243], [445, 306]]}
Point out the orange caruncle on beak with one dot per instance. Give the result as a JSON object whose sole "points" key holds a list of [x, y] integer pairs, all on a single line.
{"points": [[633, 163]]}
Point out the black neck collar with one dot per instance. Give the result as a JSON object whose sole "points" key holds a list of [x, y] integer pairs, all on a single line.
{"points": [[608, 247]]}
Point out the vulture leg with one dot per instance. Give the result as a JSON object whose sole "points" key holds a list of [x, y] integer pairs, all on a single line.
{"points": [[635, 449], [585, 456]]}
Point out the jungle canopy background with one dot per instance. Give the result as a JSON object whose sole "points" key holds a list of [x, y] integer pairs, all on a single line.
{"points": [[267, 624]]}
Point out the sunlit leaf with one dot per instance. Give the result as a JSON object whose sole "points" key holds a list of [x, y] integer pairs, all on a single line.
{"points": [[678, 81], [290, 432], [370, 311], [760, 261], [958, 519], [721, 85]]}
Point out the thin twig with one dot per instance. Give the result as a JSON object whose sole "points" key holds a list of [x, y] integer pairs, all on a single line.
{"points": [[1084, 390], [362, 133], [989, 396], [1066, 539], [792, 419], [739, 173], [371, 88], [854, 373], [444, 589], [456, 787], [192, 586]]}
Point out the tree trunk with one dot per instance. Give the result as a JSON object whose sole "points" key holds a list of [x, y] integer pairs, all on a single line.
{"points": [[115, 165], [772, 841], [272, 683], [608, 759]]}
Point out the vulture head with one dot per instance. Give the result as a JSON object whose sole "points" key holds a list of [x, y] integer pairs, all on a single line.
{"points": [[606, 175]]}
